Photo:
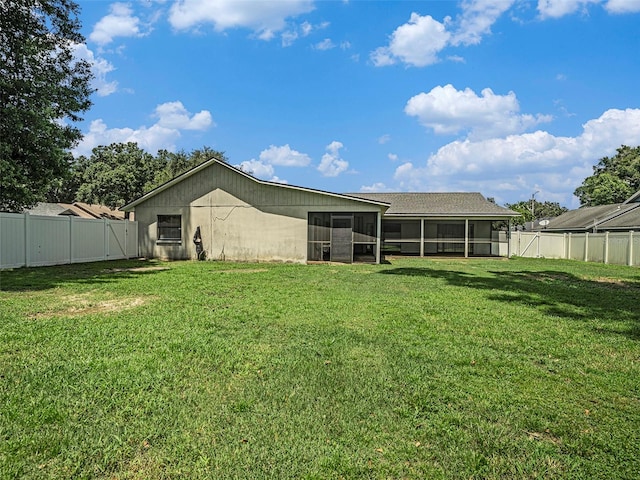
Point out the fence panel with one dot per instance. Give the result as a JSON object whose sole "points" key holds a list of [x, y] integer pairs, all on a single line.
{"points": [[12, 240], [576, 246], [618, 249], [552, 245], [88, 244], [49, 240], [595, 247], [30, 240]]}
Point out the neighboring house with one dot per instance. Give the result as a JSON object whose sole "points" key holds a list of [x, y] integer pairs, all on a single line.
{"points": [[76, 209], [236, 216], [619, 217], [459, 224], [242, 218]]}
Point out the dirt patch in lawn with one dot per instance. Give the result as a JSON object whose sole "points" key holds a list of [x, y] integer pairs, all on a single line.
{"points": [[85, 304], [137, 269], [614, 282], [241, 270]]}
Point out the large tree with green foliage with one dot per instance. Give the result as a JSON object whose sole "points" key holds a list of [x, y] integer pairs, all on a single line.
{"points": [[531, 210], [43, 90], [117, 174], [614, 179]]}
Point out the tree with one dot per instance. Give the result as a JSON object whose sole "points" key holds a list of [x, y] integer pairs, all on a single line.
{"points": [[43, 90], [117, 174], [531, 210], [614, 179]]}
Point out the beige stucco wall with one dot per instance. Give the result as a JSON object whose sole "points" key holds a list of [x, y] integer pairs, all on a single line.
{"points": [[240, 219]]}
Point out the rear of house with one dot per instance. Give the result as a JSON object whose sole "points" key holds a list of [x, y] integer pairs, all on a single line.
{"points": [[241, 218]]}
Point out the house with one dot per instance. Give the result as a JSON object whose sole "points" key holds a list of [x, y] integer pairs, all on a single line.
{"points": [[460, 224], [235, 216], [621, 217], [231, 215], [76, 209]]}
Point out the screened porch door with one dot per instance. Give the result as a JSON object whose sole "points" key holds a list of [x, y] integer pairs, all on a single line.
{"points": [[342, 239]]}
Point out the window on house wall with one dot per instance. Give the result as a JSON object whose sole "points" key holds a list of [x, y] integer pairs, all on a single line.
{"points": [[169, 228]]}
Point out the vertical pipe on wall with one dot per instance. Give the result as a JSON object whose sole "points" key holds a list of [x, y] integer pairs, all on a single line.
{"points": [[606, 247], [422, 237], [630, 262]]}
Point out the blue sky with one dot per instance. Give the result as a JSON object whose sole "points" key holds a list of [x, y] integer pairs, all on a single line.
{"points": [[504, 97]]}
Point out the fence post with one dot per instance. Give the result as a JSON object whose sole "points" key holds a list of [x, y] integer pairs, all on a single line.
{"points": [[606, 247], [27, 239], [586, 246], [538, 245], [569, 247], [71, 239], [105, 250], [630, 262]]}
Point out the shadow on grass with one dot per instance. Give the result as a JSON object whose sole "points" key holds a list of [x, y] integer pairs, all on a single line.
{"points": [[44, 278], [555, 293]]}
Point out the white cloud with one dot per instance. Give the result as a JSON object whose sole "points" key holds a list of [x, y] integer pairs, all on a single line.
{"points": [[99, 67], [415, 43], [476, 20], [393, 157], [161, 135], [384, 139], [119, 23], [257, 168], [332, 164], [377, 187], [264, 18], [284, 156], [539, 158], [623, 6], [450, 111], [173, 115], [300, 31], [325, 44], [560, 8]]}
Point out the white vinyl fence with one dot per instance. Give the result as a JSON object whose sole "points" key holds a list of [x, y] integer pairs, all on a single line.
{"points": [[620, 248], [30, 240]]}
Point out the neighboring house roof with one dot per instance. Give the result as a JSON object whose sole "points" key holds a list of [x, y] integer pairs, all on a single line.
{"points": [[77, 209], [629, 220], [590, 218], [635, 198], [439, 204], [202, 166]]}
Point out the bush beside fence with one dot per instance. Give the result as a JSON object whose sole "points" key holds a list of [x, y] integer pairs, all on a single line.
{"points": [[31, 240]]}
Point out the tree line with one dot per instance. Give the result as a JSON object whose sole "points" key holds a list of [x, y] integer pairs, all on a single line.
{"points": [[44, 90], [117, 174]]}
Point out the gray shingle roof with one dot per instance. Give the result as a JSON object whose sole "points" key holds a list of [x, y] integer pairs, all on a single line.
{"points": [[629, 220], [586, 218], [438, 204]]}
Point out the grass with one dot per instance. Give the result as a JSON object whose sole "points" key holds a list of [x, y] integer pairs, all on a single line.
{"points": [[415, 369]]}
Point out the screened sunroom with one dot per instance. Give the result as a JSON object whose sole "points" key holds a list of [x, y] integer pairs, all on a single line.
{"points": [[343, 237], [442, 224]]}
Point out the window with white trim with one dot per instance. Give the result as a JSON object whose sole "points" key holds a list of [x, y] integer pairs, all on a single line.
{"points": [[169, 228]]}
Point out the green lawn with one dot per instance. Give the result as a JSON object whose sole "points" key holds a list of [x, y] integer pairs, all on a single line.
{"points": [[414, 369]]}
